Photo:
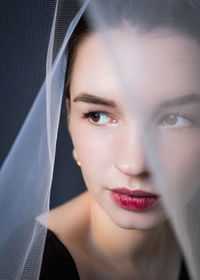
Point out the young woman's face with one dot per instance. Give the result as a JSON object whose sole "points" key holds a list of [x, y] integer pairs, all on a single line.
{"points": [[154, 83]]}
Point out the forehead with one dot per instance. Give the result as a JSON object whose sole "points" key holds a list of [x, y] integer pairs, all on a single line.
{"points": [[154, 65]]}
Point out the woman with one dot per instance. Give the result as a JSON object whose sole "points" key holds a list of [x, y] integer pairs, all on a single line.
{"points": [[118, 228]]}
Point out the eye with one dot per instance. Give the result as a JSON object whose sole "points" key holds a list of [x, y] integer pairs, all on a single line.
{"points": [[175, 121], [100, 118]]}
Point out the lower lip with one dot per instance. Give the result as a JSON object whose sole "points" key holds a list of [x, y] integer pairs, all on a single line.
{"points": [[134, 203]]}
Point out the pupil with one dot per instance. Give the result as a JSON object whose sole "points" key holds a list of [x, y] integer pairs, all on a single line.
{"points": [[95, 117], [172, 120]]}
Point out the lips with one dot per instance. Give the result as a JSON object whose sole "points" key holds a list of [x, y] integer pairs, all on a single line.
{"points": [[135, 200]]}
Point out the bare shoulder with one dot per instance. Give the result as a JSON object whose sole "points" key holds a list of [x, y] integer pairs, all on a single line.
{"points": [[70, 219]]}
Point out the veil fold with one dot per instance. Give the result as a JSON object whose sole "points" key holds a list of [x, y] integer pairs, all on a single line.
{"points": [[27, 171]]}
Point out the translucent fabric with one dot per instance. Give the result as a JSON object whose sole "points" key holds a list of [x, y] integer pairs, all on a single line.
{"points": [[168, 134], [26, 174], [160, 111]]}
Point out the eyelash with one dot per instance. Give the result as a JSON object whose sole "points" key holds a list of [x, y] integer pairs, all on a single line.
{"points": [[89, 114], [162, 122], [176, 115]]}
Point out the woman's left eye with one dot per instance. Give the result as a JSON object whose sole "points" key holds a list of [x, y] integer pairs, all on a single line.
{"points": [[175, 121], [98, 117]]}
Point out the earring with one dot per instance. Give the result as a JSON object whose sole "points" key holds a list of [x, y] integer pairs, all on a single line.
{"points": [[75, 156]]}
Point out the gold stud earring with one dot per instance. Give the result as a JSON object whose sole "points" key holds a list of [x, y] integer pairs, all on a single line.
{"points": [[75, 156]]}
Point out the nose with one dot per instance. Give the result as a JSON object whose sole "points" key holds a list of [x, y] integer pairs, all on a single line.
{"points": [[130, 158]]}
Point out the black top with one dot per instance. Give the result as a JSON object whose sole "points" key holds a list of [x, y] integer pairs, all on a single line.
{"points": [[58, 263]]}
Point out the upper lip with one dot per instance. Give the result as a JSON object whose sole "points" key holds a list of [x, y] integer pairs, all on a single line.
{"points": [[137, 193]]}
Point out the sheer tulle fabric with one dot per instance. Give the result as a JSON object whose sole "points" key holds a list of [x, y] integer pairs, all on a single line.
{"points": [[25, 183], [180, 191], [26, 174]]}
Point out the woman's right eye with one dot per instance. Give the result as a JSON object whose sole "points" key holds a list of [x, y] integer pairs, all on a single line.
{"points": [[99, 118]]}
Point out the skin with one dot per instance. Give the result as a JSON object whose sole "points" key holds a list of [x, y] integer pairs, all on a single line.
{"points": [[113, 146], [113, 151]]}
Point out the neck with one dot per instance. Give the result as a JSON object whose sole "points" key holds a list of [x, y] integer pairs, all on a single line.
{"points": [[114, 244]]}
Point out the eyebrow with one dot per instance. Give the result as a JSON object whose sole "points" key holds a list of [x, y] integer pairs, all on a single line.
{"points": [[182, 100], [94, 99]]}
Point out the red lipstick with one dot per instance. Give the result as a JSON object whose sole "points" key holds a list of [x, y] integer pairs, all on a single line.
{"points": [[134, 200]]}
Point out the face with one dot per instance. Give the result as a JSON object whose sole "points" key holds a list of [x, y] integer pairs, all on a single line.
{"points": [[151, 85]]}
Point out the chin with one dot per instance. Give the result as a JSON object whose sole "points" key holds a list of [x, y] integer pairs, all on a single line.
{"points": [[139, 221]]}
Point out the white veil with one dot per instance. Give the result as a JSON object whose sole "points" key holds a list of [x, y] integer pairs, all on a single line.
{"points": [[26, 174], [180, 195]]}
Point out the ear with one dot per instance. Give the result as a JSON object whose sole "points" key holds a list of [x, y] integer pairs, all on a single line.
{"points": [[68, 105]]}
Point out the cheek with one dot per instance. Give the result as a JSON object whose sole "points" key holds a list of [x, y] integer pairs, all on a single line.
{"points": [[180, 163], [96, 149]]}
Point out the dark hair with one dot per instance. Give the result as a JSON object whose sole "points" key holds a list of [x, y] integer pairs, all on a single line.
{"points": [[182, 16], [80, 32]]}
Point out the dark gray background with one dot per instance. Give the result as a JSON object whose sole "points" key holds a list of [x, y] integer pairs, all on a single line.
{"points": [[24, 35]]}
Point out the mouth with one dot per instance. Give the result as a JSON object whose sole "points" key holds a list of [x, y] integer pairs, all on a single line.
{"points": [[134, 200]]}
